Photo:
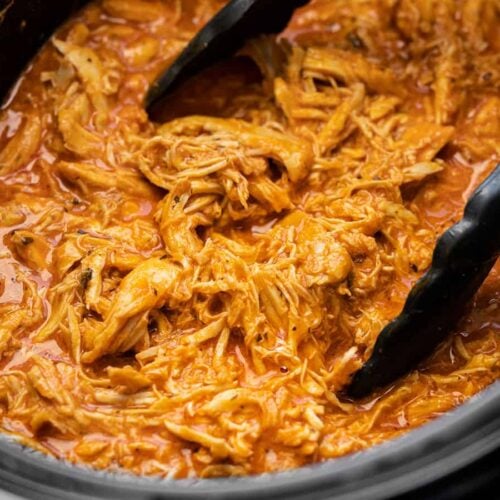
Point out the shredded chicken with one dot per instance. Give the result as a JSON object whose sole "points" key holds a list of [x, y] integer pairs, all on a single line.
{"points": [[188, 298]]}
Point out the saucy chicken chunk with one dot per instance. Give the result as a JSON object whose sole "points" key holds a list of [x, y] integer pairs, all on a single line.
{"points": [[188, 297]]}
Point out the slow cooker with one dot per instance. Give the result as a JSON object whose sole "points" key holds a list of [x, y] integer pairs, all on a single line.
{"points": [[456, 456]]}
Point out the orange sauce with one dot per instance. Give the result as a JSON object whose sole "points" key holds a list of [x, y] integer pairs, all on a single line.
{"points": [[139, 442]]}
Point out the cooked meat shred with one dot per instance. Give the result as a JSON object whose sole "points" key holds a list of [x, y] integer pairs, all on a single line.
{"points": [[188, 298]]}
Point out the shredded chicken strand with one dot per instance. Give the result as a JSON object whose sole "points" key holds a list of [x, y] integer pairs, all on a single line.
{"points": [[187, 298]]}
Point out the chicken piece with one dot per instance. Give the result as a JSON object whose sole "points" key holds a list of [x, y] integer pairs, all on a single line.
{"points": [[350, 68], [414, 16], [269, 193], [357, 243], [299, 106], [66, 254], [11, 216], [147, 287], [272, 302], [135, 10], [32, 249], [23, 146], [122, 179], [422, 141], [61, 297], [12, 319], [142, 51], [295, 154], [95, 76], [91, 449], [208, 332], [333, 131], [91, 279], [72, 117], [25, 315], [257, 408], [218, 446], [323, 261], [164, 161], [420, 171], [178, 229], [126, 376], [478, 18], [46, 380], [234, 400], [229, 272], [381, 106], [447, 92], [480, 134]]}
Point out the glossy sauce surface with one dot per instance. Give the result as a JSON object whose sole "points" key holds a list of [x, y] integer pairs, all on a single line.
{"points": [[187, 298]]}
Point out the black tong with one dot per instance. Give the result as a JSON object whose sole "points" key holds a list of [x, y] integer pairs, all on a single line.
{"points": [[222, 36], [463, 257]]}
